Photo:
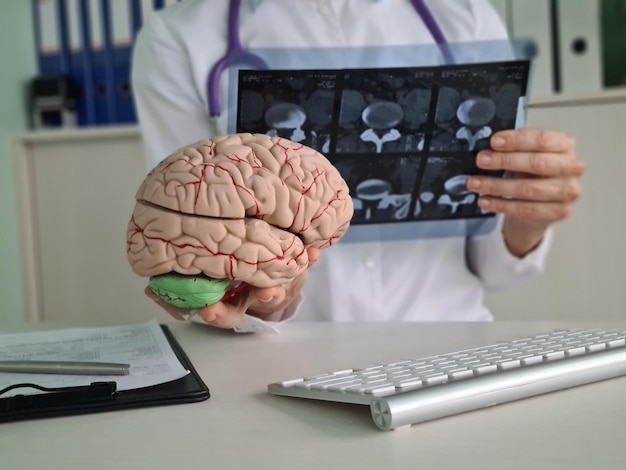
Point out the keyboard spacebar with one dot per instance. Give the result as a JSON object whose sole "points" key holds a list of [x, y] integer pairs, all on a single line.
{"points": [[482, 391]]}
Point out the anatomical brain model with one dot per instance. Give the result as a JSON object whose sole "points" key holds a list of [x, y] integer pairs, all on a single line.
{"points": [[233, 211]]}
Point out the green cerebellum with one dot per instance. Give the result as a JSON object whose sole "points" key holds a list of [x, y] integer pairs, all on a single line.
{"points": [[188, 291]]}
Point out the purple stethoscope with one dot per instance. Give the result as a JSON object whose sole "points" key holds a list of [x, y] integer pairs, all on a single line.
{"points": [[236, 54]]}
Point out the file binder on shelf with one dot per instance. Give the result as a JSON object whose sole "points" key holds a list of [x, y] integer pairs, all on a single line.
{"points": [[567, 33], [123, 90], [580, 51], [51, 37], [126, 22], [114, 100], [89, 43], [532, 20], [103, 396], [83, 66], [135, 17], [613, 18], [104, 72]]}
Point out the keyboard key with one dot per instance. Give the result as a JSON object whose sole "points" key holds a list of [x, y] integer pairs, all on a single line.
{"points": [[401, 363], [289, 383], [379, 389], [577, 351], [508, 364], [552, 355], [435, 379], [595, 347], [370, 387], [408, 383], [460, 374], [485, 368], [614, 343], [368, 368], [341, 386], [319, 383], [528, 361]]}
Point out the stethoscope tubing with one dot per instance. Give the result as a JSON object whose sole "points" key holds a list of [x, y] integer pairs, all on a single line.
{"points": [[236, 54]]}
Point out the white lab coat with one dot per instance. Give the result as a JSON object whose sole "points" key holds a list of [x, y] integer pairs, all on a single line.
{"points": [[413, 280]]}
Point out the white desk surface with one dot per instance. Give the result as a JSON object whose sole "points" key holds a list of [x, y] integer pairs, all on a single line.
{"points": [[243, 427]]}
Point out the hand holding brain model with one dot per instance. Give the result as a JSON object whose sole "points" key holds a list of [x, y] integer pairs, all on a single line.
{"points": [[236, 211]]}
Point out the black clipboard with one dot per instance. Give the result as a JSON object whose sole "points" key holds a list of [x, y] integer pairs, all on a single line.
{"points": [[102, 396]]}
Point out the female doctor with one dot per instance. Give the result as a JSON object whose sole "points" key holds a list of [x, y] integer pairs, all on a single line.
{"points": [[412, 280]]}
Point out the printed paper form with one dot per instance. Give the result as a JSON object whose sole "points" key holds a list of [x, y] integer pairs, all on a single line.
{"points": [[143, 346]]}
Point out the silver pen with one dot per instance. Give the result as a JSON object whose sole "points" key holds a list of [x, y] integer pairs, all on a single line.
{"points": [[65, 367]]}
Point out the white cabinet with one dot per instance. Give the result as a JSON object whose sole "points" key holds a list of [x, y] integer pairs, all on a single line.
{"points": [[567, 34], [77, 193]]}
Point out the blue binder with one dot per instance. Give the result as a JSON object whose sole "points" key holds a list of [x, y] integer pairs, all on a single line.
{"points": [[53, 59], [121, 61], [101, 75], [123, 89], [104, 72], [82, 69]]}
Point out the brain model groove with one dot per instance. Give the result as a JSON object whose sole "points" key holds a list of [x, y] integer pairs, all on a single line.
{"points": [[240, 208]]}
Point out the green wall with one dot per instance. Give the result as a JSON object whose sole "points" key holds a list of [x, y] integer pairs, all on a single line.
{"points": [[18, 65]]}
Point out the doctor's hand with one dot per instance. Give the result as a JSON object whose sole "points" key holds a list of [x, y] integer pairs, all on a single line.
{"points": [[544, 187], [258, 302]]}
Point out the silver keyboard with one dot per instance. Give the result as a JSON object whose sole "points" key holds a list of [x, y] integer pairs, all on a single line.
{"points": [[416, 390]]}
